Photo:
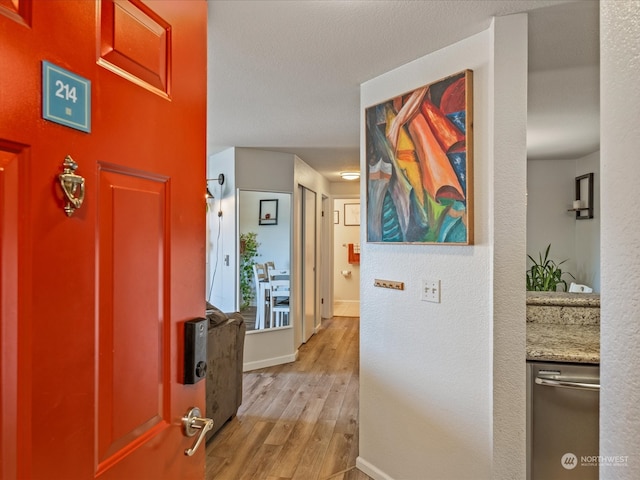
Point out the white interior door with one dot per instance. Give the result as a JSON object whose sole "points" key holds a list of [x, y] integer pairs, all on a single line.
{"points": [[325, 263], [309, 302]]}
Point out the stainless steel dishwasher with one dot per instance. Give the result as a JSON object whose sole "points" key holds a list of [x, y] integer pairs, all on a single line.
{"points": [[563, 423]]}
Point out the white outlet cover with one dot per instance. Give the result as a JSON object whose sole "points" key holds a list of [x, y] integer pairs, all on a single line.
{"points": [[431, 291]]}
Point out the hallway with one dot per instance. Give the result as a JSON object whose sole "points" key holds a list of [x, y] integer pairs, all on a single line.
{"points": [[299, 420]]}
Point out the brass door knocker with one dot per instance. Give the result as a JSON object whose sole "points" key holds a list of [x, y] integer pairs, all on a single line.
{"points": [[72, 185]]}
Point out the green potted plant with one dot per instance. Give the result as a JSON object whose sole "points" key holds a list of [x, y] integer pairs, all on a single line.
{"points": [[248, 253], [545, 275]]}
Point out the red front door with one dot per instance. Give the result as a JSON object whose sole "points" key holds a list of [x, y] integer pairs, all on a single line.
{"points": [[93, 305]]}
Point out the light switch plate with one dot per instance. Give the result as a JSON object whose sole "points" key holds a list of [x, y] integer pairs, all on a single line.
{"points": [[431, 291]]}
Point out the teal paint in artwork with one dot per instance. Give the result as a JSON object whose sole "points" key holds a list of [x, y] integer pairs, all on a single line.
{"points": [[66, 97]]}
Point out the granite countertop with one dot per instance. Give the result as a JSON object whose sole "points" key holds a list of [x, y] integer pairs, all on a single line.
{"points": [[563, 327], [563, 343], [564, 299]]}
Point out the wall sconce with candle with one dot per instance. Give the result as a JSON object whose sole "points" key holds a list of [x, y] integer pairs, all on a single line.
{"points": [[583, 203]]}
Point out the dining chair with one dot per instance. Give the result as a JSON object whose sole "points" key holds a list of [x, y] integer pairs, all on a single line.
{"points": [[261, 280], [279, 295], [281, 273]]}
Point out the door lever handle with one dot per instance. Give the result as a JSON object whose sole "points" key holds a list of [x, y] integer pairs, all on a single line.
{"points": [[192, 422]]}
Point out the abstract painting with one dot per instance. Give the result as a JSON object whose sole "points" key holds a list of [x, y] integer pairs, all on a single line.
{"points": [[419, 165]]}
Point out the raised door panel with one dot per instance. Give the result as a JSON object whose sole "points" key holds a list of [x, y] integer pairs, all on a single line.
{"points": [[135, 43], [11, 199], [17, 10], [133, 387]]}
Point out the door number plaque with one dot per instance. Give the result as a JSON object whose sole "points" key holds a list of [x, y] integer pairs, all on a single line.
{"points": [[66, 97]]}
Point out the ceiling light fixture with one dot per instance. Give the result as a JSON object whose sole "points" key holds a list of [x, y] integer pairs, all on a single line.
{"points": [[350, 175]]}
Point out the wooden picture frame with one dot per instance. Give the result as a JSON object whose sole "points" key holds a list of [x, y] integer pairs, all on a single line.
{"points": [[419, 172]]}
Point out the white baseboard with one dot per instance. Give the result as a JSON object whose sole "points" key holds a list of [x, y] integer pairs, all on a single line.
{"points": [[269, 362], [371, 470], [348, 308], [346, 303]]}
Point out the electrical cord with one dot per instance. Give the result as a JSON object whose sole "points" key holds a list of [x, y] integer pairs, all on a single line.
{"points": [[215, 267]]}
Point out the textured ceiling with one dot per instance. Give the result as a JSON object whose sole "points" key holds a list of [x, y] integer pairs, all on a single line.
{"points": [[286, 75]]}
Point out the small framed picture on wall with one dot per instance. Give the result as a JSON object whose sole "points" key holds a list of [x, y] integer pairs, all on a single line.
{"points": [[351, 214], [268, 212]]}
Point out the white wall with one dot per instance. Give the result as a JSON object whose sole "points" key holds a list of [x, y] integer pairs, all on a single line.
{"points": [[587, 239], [442, 392], [264, 170], [550, 185], [551, 190], [221, 233], [620, 247], [346, 288], [345, 189], [508, 207]]}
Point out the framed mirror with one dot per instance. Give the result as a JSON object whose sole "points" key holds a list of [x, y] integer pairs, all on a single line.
{"points": [[264, 253]]}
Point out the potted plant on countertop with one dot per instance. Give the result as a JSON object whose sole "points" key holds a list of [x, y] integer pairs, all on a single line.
{"points": [[545, 275]]}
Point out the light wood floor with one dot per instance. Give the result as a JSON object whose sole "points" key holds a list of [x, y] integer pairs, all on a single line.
{"points": [[299, 420]]}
